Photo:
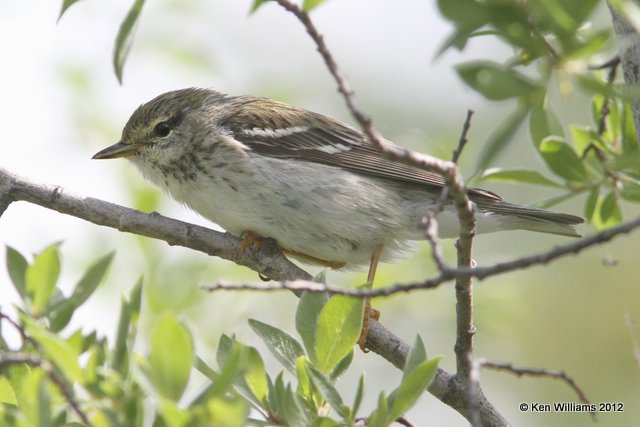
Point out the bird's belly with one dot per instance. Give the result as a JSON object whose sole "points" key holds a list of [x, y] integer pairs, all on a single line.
{"points": [[333, 217]]}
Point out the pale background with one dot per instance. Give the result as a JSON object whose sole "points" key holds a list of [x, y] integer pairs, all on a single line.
{"points": [[61, 103]]}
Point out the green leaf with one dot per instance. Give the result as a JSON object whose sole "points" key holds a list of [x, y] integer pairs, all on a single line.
{"points": [[7, 394], [35, 399], [283, 346], [519, 176], [378, 417], [17, 267], [562, 160], [256, 5], [628, 131], [328, 391], [416, 356], [228, 412], [66, 4], [591, 203], [497, 82], [60, 313], [293, 410], [631, 192], [129, 312], [543, 123], [124, 38], [229, 358], [41, 277], [584, 137], [56, 350], [171, 358], [325, 422], [413, 385], [338, 330], [307, 313], [341, 367], [304, 383], [255, 375], [501, 136], [359, 394], [308, 5], [609, 210]]}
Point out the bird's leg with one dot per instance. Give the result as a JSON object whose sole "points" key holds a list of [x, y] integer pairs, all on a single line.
{"points": [[249, 238], [370, 312]]}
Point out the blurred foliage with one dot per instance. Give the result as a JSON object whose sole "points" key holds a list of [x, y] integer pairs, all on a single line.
{"points": [[58, 377], [553, 44]]}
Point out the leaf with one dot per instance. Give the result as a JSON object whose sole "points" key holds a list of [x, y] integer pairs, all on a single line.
{"points": [[171, 358], [308, 5], [328, 391], [412, 386], [591, 203], [56, 350], [416, 356], [60, 313], [35, 399], [255, 375], [526, 176], [380, 414], [543, 123], [501, 136], [497, 82], [256, 5], [283, 346], [359, 394], [584, 137], [341, 367], [41, 277], [609, 210], [17, 267], [129, 312], [307, 313], [66, 4], [293, 410], [562, 160], [338, 330], [124, 38], [628, 131]]}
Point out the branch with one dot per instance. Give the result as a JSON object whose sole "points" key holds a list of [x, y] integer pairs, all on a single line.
{"points": [[533, 372], [379, 339]]}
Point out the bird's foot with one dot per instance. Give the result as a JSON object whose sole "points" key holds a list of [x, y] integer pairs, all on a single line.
{"points": [[369, 313]]}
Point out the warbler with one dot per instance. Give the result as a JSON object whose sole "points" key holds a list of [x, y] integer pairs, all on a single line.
{"points": [[316, 185]]}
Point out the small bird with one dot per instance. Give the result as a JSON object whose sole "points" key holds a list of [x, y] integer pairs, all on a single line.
{"points": [[319, 187]]}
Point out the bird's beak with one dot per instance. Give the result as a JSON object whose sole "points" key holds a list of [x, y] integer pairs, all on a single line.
{"points": [[117, 150]]}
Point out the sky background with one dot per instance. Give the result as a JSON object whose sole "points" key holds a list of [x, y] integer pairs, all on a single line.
{"points": [[61, 103]]}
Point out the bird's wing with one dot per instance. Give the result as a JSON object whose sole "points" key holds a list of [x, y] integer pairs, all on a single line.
{"points": [[331, 142]]}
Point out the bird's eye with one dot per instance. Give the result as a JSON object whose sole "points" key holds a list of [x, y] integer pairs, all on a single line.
{"points": [[162, 129]]}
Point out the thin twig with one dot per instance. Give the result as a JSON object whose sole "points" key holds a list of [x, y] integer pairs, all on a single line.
{"points": [[452, 273], [534, 372]]}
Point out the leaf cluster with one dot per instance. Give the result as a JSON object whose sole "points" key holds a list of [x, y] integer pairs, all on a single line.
{"points": [[57, 374]]}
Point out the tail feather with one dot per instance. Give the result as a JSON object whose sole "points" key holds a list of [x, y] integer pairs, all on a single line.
{"points": [[534, 219]]}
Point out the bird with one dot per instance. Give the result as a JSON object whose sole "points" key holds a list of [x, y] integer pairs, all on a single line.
{"points": [[260, 168]]}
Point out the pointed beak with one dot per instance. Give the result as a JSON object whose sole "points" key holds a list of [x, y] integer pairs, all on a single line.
{"points": [[117, 150]]}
